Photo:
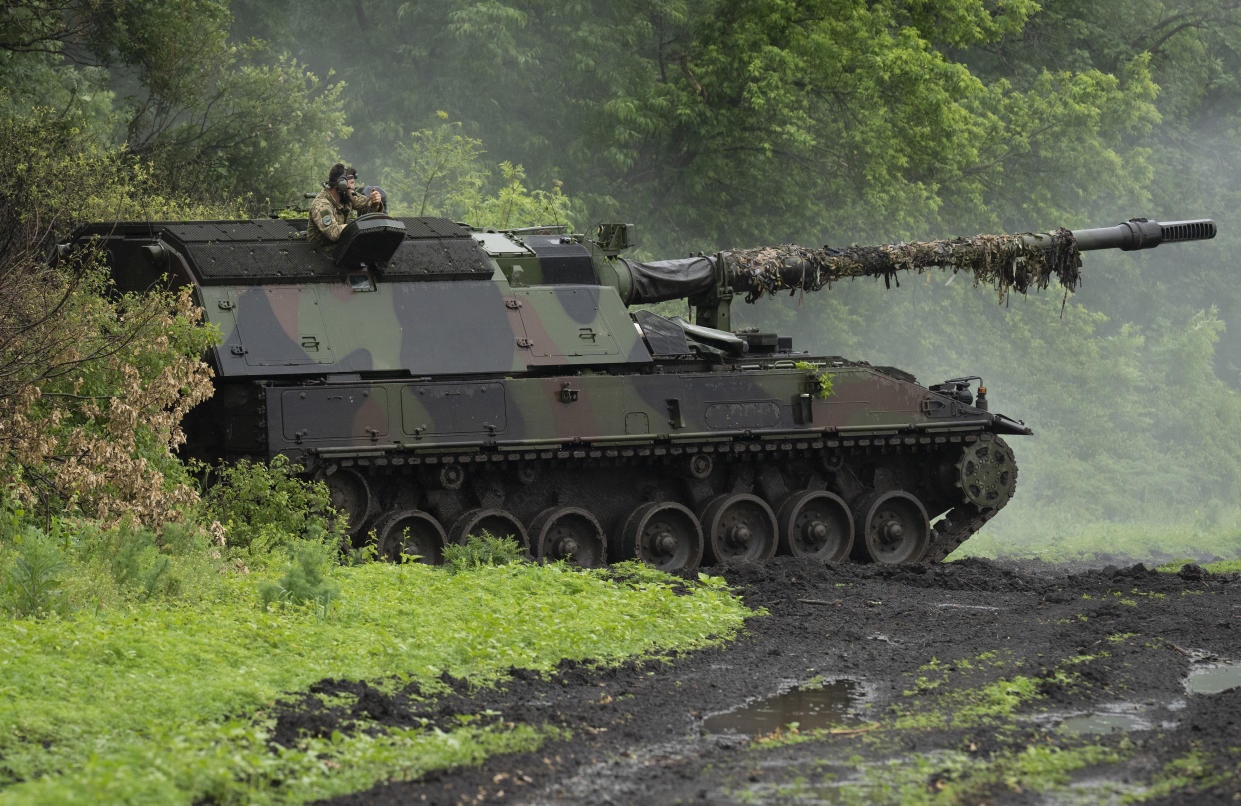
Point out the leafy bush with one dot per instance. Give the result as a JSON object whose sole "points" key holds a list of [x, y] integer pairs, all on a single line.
{"points": [[32, 582], [264, 506], [93, 384], [307, 579], [482, 550]]}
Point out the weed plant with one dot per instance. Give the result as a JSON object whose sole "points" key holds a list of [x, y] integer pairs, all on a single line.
{"points": [[482, 550]]}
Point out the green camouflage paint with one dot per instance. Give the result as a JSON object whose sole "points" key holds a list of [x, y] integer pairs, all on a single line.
{"points": [[442, 379]]}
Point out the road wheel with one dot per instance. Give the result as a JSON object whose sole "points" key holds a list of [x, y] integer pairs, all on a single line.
{"points": [[891, 528], [662, 534], [349, 493], [568, 533], [495, 522], [410, 532], [739, 526], [816, 524]]}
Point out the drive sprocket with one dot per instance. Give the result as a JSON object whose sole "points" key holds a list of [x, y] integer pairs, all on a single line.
{"points": [[987, 473]]}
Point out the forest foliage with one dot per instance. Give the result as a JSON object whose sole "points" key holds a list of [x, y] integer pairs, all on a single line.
{"points": [[719, 124]]}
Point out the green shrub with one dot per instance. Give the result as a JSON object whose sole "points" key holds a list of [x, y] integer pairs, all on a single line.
{"points": [[32, 581], [481, 550], [136, 563], [307, 579], [267, 506], [106, 566]]}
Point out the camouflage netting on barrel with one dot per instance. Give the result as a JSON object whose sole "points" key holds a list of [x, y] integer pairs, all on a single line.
{"points": [[1007, 262]]}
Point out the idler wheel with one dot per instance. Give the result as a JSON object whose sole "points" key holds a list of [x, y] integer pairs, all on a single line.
{"points": [[495, 522], [816, 524], [411, 532], [739, 526], [987, 473], [568, 533], [891, 528], [663, 534], [349, 493]]}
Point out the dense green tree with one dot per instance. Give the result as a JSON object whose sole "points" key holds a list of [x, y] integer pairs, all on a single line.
{"points": [[93, 384], [219, 118], [442, 172], [734, 122]]}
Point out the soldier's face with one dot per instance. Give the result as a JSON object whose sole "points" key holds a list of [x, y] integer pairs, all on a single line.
{"points": [[352, 180]]}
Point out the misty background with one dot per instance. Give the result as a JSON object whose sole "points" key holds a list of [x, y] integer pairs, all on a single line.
{"points": [[719, 124]]}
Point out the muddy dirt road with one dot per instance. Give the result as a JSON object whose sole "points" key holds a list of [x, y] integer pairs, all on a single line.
{"points": [[971, 682]]}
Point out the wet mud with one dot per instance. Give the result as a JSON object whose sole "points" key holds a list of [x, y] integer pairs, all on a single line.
{"points": [[1124, 680]]}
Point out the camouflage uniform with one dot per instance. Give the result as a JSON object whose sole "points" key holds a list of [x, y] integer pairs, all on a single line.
{"points": [[328, 217]]}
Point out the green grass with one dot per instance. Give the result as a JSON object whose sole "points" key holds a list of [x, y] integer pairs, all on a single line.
{"points": [[1222, 567], [165, 703], [958, 778], [1066, 540]]}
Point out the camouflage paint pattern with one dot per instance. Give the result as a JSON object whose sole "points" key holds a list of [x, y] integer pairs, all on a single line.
{"points": [[455, 350], [442, 380], [598, 409]]}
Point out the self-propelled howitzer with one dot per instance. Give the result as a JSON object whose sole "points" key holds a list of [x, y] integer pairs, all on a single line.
{"points": [[444, 380]]}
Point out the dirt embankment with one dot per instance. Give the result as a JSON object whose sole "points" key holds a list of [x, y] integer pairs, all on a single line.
{"points": [[970, 682]]}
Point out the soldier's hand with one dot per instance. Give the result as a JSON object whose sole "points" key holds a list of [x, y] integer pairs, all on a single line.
{"points": [[376, 198]]}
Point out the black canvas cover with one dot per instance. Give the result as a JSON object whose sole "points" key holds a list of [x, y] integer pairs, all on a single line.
{"points": [[662, 280]]}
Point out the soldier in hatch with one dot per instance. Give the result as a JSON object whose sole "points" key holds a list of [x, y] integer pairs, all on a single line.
{"points": [[329, 212]]}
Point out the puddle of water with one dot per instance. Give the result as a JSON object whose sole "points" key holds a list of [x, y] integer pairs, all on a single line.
{"points": [[1103, 723], [810, 708], [1114, 717], [1214, 678]]}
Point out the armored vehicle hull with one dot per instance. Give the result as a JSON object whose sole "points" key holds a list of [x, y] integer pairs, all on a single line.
{"points": [[444, 381]]}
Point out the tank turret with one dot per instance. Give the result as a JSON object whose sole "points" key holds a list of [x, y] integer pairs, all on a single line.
{"points": [[443, 381]]}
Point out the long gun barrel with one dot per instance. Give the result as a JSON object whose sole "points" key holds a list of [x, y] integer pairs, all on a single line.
{"points": [[1141, 233], [1008, 262]]}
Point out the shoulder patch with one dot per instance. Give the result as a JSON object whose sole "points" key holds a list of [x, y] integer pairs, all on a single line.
{"points": [[327, 221]]}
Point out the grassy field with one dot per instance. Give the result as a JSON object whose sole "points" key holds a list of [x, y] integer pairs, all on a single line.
{"points": [[166, 702], [1213, 540]]}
